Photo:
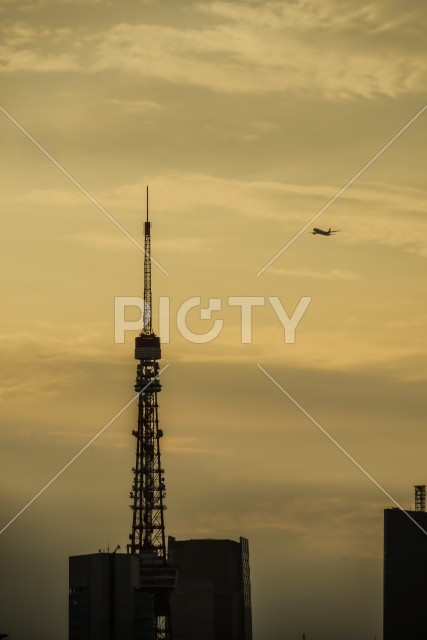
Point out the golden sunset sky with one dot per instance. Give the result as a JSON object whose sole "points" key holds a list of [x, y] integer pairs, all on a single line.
{"points": [[245, 119]]}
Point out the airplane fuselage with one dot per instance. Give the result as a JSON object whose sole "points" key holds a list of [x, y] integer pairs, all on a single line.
{"points": [[322, 232]]}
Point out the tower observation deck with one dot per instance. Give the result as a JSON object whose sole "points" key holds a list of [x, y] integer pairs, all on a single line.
{"points": [[147, 537]]}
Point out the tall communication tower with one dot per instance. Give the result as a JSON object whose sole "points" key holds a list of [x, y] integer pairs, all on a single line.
{"points": [[147, 538]]}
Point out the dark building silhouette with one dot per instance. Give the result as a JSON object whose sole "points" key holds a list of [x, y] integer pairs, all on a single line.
{"points": [[112, 596], [405, 571], [212, 600], [104, 602]]}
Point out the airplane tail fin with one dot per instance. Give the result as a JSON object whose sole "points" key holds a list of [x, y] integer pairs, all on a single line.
{"points": [[330, 229]]}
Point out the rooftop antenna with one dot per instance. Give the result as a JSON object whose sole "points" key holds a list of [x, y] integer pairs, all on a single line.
{"points": [[420, 497]]}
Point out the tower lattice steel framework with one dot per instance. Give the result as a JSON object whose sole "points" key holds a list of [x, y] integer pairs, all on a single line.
{"points": [[147, 538]]}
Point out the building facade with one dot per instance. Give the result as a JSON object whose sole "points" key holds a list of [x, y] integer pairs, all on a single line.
{"points": [[212, 599], [105, 599], [405, 574]]}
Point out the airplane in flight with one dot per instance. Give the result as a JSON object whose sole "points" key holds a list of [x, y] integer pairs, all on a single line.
{"points": [[324, 233]]}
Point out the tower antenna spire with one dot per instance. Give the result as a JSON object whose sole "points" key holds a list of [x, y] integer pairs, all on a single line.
{"points": [[147, 328]]}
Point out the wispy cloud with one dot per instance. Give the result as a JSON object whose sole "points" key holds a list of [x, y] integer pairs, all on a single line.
{"points": [[44, 361], [136, 106], [340, 523], [308, 15], [332, 274], [36, 5], [246, 47], [191, 446], [369, 213], [100, 241], [115, 242], [27, 60], [246, 57]]}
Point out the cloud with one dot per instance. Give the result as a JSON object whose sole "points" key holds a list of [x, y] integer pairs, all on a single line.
{"points": [[37, 49], [27, 60], [332, 274], [247, 48], [342, 526], [192, 446], [36, 5], [45, 361], [136, 106], [369, 213], [118, 242], [322, 350], [100, 241], [58, 198], [385, 214], [271, 47], [308, 15]]}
